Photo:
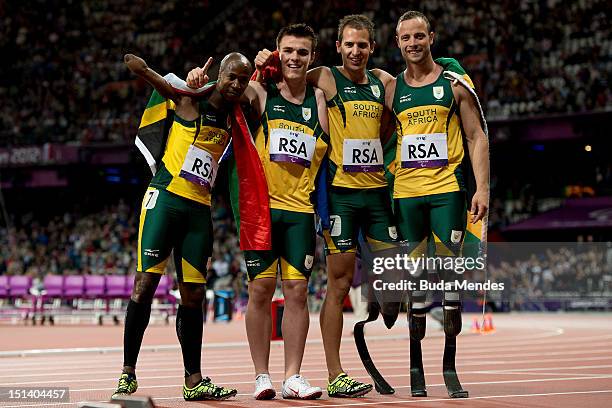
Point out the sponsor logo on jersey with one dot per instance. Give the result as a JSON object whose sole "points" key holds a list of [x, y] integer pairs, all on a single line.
{"points": [[350, 89], [152, 252], [211, 117], [438, 92], [279, 108], [405, 98]]}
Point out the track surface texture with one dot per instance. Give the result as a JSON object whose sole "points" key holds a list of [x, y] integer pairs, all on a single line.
{"points": [[531, 360]]}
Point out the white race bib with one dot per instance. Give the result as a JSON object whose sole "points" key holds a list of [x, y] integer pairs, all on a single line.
{"points": [[291, 146], [199, 167], [420, 151], [362, 155]]}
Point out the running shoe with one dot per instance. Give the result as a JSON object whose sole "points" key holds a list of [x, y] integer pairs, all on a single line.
{"points": [[263, 388], [297, 387], [206, 390], [127, 385], [346, 387]]}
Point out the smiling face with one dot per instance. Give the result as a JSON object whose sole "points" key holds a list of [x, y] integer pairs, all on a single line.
{"points": [[233, 80], [355, 48], [414, 40], [296, 55]]}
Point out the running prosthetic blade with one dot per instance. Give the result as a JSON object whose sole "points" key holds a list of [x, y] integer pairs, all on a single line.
{"points": [[380, 384], [417, 374], [453, 386]]}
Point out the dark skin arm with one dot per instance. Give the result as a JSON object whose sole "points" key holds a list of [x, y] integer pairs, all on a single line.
{"points": [[139, 67], [186, 107]]}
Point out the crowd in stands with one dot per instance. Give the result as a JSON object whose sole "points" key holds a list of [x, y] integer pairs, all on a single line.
{"points": [[66, 82], [105, 243], [556, 272]]}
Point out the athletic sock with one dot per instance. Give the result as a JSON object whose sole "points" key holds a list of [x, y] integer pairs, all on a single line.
{"points": [[136, 322], [189, 328]]}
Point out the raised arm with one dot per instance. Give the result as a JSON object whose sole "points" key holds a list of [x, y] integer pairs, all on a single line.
{"points": [[478, 146], [139, 67]]}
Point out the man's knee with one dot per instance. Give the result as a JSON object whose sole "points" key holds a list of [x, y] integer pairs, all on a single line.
{"points": [[340, 275], [261, 292], [192, 294], [296, 292], [145, 284]]}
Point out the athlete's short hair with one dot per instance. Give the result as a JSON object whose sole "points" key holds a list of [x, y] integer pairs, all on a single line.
{"points": [[298, 30], [358, 22], [409, 15], [233, 57]]}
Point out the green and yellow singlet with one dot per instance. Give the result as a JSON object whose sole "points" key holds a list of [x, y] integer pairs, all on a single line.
{"points": [[356, 154], [291, 146], [192, 153], [429, 140]]}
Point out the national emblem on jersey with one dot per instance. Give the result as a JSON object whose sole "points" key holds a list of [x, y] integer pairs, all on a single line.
{"points": [[438, 92], [429, 140], [291, 146], [355, 113], [375, 90]]}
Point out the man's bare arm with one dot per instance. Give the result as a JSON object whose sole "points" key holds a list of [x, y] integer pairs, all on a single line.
{"points": [[384, 76], [139, 67], [322, 110], [255, 95], [389, 94], [322, 78], [478, 146]]}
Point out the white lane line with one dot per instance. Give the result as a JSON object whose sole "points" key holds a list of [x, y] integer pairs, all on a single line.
{"points": [[378, 359], [210, 369], [456, 400], [324, 378], [464, 346], [318, 370], [239, 344]]}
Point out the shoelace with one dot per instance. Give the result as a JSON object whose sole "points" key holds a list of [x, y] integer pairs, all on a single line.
{"points": [[261, 380], [303, 381], [215, 389], [347, 381]]}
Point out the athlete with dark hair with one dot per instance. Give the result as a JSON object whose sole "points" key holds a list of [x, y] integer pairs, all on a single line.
{"points": [[291, 141], [358, 195]]}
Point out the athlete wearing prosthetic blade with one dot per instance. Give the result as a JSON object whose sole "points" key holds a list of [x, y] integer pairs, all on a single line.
{"points": [[439, 128]]}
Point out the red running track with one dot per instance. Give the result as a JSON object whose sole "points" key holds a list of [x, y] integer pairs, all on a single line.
{"points": [[532, 360]]}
